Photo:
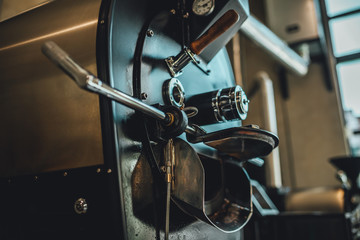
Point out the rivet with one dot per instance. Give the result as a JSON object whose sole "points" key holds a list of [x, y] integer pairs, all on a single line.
{"points": [[143, 96], [80, 206], [36, 178], [149, 33], [98, 170], [186, 15], [102, 22], [109, 170], [173, 11], [65, 174]]}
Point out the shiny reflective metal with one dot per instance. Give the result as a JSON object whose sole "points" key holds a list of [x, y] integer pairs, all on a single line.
{"points": [[177, 63], [173, 92], [273, 45], [222, 105], [89, 82], [230, 103], [243, 143], [341, 175], [225, 212], [81, 206], [203, 8]]}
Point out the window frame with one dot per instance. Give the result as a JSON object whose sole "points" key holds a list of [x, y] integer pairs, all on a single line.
{"points": [[332, 60]]}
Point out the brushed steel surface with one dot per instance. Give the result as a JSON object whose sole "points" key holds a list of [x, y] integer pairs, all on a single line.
{"points": [[47, 122], [11, 8]]}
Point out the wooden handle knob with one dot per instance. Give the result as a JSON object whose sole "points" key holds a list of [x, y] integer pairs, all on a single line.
{"points": [[219, 27]]}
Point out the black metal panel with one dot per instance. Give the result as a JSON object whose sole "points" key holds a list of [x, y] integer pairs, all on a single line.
{"points": [[42, 206]]}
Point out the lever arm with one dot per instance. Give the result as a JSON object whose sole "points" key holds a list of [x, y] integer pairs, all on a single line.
{"points": [[217, 29], [177, 63], [89, 82]]}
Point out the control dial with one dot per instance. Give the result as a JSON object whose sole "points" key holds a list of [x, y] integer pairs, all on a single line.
{"points": [[203, 7]]}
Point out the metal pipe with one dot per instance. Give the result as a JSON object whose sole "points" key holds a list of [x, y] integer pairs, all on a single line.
{"points": [[266, 90], [272, 44], [169, 160], [96, 85]]}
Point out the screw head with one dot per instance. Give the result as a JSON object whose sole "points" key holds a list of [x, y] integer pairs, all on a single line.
{"points": [[80, 206], [149, 33], [143, 96]]}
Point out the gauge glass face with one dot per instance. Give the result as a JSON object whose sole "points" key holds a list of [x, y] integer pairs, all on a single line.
{"points": [[203, 7]]}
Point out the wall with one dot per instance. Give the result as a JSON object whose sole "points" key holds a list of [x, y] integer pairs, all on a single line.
{"points": [[309, 125]]}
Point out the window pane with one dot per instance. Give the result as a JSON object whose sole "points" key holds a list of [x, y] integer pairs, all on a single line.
{"points": [[349, 81], [336, 7], [345, 34]]}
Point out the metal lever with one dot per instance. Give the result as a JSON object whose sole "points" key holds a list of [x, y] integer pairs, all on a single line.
{"points": [[87, 81], [177, 63], [169, 153]]}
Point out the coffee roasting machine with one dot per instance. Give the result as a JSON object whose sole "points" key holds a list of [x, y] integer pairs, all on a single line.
{"points": [[153, 148]]}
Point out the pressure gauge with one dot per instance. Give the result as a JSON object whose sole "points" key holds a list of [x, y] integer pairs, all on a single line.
{"points": [[203, 7]]}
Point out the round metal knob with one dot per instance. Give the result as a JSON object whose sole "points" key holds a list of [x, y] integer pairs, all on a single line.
{"points": [[222, 105]]}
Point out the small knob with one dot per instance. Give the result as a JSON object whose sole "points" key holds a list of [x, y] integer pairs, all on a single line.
{"points": [[222, 105]]}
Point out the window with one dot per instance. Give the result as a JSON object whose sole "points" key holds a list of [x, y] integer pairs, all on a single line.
{"points": [[349, 76], [345, 34], [342, 19], [337, 7]]}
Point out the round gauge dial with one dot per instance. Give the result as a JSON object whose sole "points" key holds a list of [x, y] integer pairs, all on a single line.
{"points": [[203, 7]]}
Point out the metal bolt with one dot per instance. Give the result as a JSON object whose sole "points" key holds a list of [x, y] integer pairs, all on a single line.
{"points": [[143, 96], [186, 15], [80, 206], [149, 33], [65, 174], [109, 170], [102, 22], [173, 11], [98, 170]]}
